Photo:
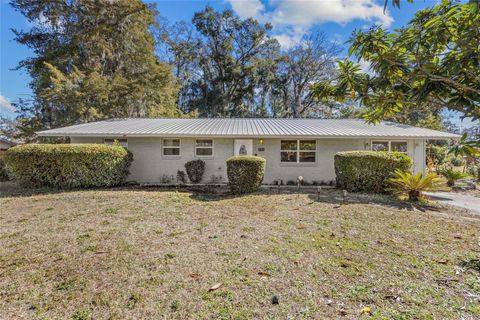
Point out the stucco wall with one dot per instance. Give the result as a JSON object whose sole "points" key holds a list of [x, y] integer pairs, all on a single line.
{"points": [[149, 165], [5, 145], [321, 170]]}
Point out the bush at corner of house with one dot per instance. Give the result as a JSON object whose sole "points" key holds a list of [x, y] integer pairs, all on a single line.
{"points": [[68, 165], [368, 170], [3, 171], [245, 173], [195, 170]]}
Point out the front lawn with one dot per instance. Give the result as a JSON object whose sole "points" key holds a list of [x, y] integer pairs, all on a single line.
{"points": [[133, 253]]}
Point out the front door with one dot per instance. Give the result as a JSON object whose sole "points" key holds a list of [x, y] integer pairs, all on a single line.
{"points": [[243, 147]]}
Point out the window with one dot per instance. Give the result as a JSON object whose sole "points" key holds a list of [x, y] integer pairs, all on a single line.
{"points": [[379, 145], [122, 142], [171, 147], [204, 147], [298, 151], [397, 146]]}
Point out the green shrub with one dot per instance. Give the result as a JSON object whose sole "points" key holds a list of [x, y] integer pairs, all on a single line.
{"points": [[195, 170], [452, 176], [3, 171], [68, 165], [457, 161], [245, 173], [405, 183], [437, 153], [368, 170]]}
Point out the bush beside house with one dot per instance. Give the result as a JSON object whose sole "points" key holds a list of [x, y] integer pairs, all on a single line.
{"points": [[368, 170], [245, 173], [68, 165], [195, 170]]}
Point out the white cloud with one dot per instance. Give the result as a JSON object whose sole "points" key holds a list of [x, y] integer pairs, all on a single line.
{"points": [[285, 40], [293, 18], [5, 105], [364, 66], [248, 8]]}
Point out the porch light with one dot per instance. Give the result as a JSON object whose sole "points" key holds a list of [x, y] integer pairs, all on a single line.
{"points": [[260, 141]]}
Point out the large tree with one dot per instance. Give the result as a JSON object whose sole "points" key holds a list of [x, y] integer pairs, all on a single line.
{"points": [[226, 66], [231, 61], [432, 62], [311, 60], [93, 59]]}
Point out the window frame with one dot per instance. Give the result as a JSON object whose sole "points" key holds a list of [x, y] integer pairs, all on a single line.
{"points": [[298, 151], [172, 147], [390, 145], [204, 147], [113, 140]]}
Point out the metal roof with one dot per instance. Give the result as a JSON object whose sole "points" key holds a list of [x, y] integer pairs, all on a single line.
{"points": [[245, 127]]}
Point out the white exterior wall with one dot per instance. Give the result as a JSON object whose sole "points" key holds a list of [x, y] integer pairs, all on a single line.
{"points": [[321, 170], [149, 165], [5, 145]]}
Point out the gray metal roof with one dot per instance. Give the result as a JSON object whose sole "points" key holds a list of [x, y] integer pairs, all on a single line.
{"points": [[250, 127]]}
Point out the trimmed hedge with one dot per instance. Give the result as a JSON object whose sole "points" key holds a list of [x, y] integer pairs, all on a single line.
{"points": [[195, 170], [368, 170], [245, 173], [68, 165]]}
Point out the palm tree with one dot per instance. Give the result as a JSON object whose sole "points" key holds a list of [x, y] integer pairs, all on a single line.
{"points": [[414, 185]]}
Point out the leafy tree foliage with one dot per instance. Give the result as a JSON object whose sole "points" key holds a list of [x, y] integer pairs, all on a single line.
{"points": [[432, 63], [229, 67], [93, 60]]}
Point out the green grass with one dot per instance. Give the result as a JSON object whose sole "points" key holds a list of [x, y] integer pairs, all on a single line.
{"points": [[153, 253]]}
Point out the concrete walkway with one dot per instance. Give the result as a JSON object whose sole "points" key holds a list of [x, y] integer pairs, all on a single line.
{"points": [[457, 200]]}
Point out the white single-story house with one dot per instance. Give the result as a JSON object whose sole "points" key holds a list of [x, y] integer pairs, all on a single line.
{"points": [[292, 147], [6, 144]]}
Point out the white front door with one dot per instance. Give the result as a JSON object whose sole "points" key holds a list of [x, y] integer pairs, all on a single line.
{"points": [[243, 147]]}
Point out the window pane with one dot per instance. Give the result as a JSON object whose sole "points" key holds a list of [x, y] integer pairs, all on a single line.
{"points": [[204, 151], [171, 142], [204, 142], [399, 146], [288, 156], [380, 145], [288, 144], [307, 157], [171, 151], [307, 144]]}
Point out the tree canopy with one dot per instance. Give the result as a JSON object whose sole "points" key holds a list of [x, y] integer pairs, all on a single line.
{"points": [[232, 67], [432, 62], [92, 60]]}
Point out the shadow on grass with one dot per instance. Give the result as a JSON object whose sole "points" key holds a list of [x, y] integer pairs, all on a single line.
{"points": [[473, 264], [11, 189], [335, 196], [219, 193]]}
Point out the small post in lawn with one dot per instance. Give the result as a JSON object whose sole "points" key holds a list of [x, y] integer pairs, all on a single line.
{"points": [[319, 189], [278, 186], [299, 183], [345, 199]]}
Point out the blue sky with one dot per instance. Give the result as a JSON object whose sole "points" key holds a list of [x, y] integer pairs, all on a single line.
{"points": [[290, 19]]}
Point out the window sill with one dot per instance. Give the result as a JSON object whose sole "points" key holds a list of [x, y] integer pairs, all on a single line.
{"points": [[204, 157], [171, 157], [298, 164]]}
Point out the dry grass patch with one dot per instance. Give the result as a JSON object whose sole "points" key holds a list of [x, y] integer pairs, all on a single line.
{"points": [[153, 253]]}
